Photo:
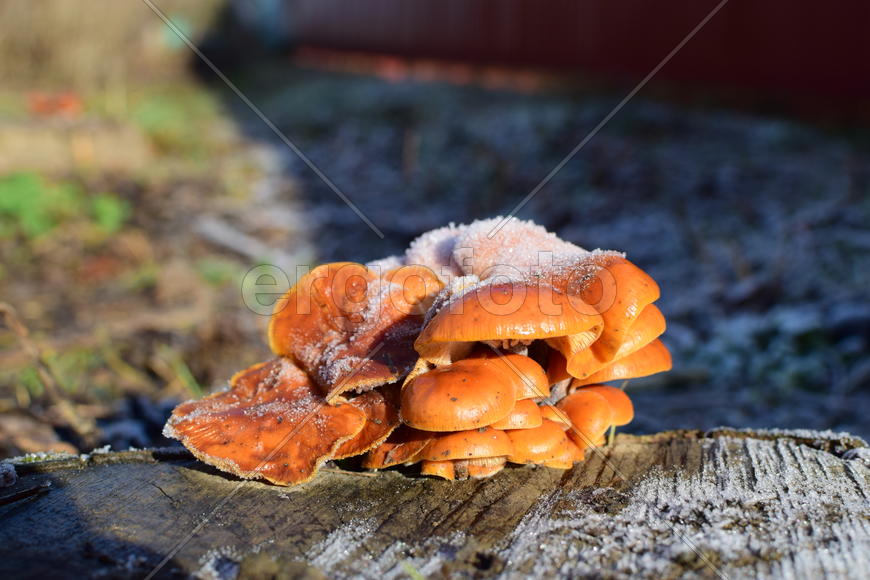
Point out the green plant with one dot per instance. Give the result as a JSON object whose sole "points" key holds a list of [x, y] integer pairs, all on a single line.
{"points": [[176, 120], [29, 378], [110, 212], [218, 271], [33, 206]]}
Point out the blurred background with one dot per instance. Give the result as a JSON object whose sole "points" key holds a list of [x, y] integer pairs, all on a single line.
{"points": [[137, 188]]}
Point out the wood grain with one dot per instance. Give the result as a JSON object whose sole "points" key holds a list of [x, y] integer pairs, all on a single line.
{"points": [[727, 503]]}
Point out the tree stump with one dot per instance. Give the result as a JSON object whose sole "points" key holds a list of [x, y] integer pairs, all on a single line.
{"points": [[726, 503]]}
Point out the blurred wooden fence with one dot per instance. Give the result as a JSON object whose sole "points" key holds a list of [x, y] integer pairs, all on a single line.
{"points": [[777, 45]]}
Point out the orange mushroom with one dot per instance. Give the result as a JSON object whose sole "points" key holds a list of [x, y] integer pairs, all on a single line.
{"points": [[474, 453], [403, 446], [533, 382], [272, 423], [464, 468], [649, 325], [525, 415], [346, 335], [574, 344], [620, 405], [590, 414], [649, 360], [480, 468], [349, 329], [442, 469], [546, 443], [501, 314], [381, 410], [612, 286], [468, 394], [571, 455], [550, 412], [557, 368]]}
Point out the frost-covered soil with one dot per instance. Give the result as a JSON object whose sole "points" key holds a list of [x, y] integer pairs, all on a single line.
{"points": [[755, 227]]}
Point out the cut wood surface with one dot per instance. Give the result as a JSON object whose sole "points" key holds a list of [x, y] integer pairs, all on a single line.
{"points": [[726, 503]]}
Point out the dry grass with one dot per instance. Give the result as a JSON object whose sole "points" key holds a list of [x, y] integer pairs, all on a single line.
{"points": [[95, 44]]}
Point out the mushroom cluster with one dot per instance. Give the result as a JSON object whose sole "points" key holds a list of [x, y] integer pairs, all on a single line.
{"points": [[483, 345]]}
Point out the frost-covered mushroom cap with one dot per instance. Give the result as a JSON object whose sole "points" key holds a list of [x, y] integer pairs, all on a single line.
{"points": [[434, 249], [272, 423], [512, 248], [351, 329]]}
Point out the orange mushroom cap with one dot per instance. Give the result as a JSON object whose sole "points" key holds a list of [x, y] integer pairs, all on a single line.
{"points": [[525, 415], [612, 286], [521, 311], [272, 423], [649, 360], [381, 409], [547, 442], [557, 368], [529, 377], [480, 468], [468, 394], [472, 444], [403, 446], [574, 343], [648, 326], [464, 468], [572, 455], [550, 412], [507, 246], [350, 329], [443, 469], [620, 404], [590, 414]]}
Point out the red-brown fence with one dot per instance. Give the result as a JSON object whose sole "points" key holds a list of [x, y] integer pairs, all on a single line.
{"points": [[795, 46]]}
